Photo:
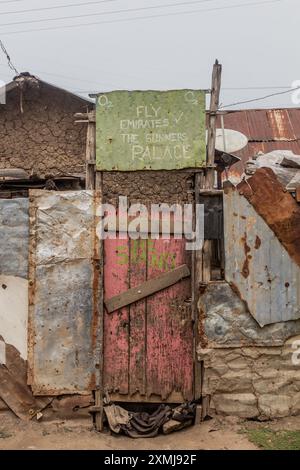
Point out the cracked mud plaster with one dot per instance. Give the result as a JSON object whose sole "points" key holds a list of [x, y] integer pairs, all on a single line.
{"points": [[43, 140]]}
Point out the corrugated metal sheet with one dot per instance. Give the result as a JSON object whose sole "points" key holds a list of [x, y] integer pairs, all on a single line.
{"points": [[266, 129], [14, 237], [257, 266], [63, 310], [227, 323]]}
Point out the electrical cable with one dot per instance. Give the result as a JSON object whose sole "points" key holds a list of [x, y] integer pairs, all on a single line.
{"points": [[259, 99], [9, 62], [96, 2], [121, 20]]}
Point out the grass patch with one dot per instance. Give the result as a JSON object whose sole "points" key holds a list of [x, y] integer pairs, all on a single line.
{"points": [[274, 440]]}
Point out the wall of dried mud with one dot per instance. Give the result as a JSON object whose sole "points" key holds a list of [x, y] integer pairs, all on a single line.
{"points": [[43, 140], [149, 187], [254, 382]]}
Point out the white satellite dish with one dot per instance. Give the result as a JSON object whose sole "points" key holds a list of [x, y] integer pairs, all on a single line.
{"points": [[228, 140]]}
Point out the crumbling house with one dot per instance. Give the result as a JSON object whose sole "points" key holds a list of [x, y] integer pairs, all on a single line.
{"points": [[52, 270], [40, 144]]}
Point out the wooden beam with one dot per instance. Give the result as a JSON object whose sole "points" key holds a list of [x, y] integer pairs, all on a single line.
{"points": [[90, 156], [197, 281], [100, 350], [204, 185], [214, 104], [14, 173], [90, 116], [210, 192], [147, 288]]}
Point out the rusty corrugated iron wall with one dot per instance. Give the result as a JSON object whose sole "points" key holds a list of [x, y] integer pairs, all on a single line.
{"points": [[63, 306], [266, 130], [258, 266], [14, 239]]}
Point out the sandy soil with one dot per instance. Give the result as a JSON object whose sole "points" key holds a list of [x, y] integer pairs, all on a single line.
{"points": [[213, 434]]}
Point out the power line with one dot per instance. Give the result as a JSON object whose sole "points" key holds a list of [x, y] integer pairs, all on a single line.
{"points": [[104, 13], [30, 10], [91, 3], [259, 99], [121, 20], [290, 90], [257, 88], [9, 62], [67, 77]]}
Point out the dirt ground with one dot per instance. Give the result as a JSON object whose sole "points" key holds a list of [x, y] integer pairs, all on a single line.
{"points": [[212, 434], [218, 433]]}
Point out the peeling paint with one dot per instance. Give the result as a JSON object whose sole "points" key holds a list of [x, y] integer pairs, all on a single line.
{"points": [[14, 312]]}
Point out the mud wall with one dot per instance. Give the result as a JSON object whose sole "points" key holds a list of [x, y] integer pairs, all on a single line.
{"points": [[43, 139], [149, 187], [254, 382]]}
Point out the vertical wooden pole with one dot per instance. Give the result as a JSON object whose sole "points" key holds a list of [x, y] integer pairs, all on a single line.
{"points": [[197, 280], [94, 183], [90, 153], [211, 143], [210, 162], [202, 258], [99, 386]]}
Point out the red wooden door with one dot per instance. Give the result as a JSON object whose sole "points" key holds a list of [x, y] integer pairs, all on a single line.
{"points": [[148, 345]]}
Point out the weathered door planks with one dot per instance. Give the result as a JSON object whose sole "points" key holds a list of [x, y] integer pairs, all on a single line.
{"points": [[148, 346], [116, 347], [170, 328], [138, 322], [147, 288]]}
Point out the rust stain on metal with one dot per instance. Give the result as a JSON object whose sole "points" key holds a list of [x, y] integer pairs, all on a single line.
{"points": [[201, 329], [14, 390], [31, 285], [276, 206], [280, 124], [236, 290], [96, 272], [266, 129], [63, 310], [257, 242], [247, 249]]}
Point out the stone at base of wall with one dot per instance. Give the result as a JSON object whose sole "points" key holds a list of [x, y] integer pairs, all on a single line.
{"points": [[256, 382]]}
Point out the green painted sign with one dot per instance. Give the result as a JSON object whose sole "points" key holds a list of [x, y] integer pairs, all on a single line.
{"points": [[150, 130]]}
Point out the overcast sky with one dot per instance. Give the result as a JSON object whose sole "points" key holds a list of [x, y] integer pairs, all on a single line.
{"points": [[257, 44]]}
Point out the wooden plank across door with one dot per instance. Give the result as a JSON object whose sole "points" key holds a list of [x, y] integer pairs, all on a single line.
{"points": [[147, 288]]}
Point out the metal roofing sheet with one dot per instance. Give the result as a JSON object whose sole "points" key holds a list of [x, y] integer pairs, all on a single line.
{"points": [[266, 130]]}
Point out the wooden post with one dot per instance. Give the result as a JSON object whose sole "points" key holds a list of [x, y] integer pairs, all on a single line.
{"points": [[90, 153], [196, 282], [99, 390], [202, 258], [210, 162], [94, 183], [211, 143]]}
